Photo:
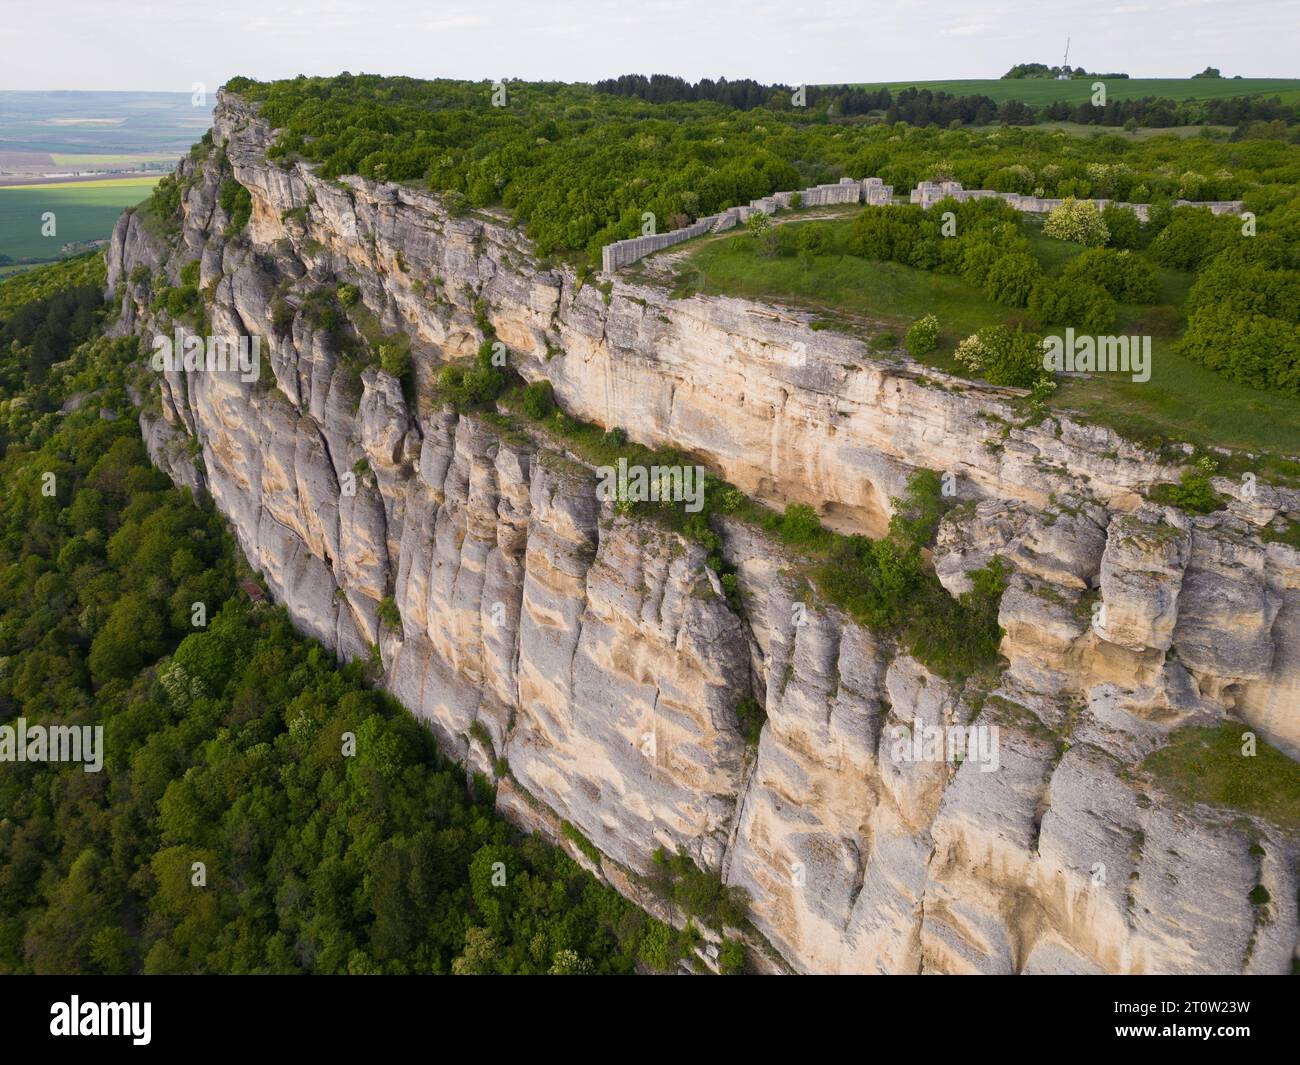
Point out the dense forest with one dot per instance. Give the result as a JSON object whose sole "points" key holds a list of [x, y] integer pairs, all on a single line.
{"points": [[579, 168], [260, 807], [922, 107]]}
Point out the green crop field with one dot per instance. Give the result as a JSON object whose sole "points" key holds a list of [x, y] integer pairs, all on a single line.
{"points": [[82, 211], [1037, 91]]}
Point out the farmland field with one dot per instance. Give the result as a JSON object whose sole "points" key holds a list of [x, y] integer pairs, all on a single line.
{"points": [[101, 123], [108, 182], [83, 211], [80, 155], [106, 161], [1037, 91]]}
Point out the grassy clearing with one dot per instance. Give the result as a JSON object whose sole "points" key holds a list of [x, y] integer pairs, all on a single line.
{"points": [[1206, 765], [851, 293], [1079, 90], [1183, 401], [1052, 253]]}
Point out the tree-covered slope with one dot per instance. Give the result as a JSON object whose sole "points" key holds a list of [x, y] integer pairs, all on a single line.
{"points": [[333, 836]]}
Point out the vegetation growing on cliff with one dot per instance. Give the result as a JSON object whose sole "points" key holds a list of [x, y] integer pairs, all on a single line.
{"points": [[702, 896], [1212, 766], [884, 584], [237, 202]]}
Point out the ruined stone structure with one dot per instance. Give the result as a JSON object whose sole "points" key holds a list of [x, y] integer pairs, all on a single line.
{"points": [[870, 190], [928, 193]]}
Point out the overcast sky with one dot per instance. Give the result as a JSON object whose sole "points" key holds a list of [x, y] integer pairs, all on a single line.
{"points": [[170, 44]]}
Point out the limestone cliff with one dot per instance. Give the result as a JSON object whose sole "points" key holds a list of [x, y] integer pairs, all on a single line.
{"points": [[593, 663]]}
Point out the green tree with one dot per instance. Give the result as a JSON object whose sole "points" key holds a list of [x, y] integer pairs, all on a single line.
{"points": [[479, 958], [1078, 221], [131, 637], [1011, 279]]}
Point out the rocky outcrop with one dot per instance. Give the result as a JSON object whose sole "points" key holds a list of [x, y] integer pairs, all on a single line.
{"points": [[593, 664]]}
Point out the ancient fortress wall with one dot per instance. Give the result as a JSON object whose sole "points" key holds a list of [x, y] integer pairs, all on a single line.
{"points": [[872, 191], [847, 190], [928, 193]]}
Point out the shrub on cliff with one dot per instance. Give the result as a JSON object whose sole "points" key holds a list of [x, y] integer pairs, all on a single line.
{"points": [[1003, 356], [1193, 493], [886, 585], [470, 388], [395, 359], [539, 400], [916, 514], [162, 209], [957, 637], [237, 202], [389, 614], [731, 957], [751, 716], [800, 526], [700, 895], [282, 315]]}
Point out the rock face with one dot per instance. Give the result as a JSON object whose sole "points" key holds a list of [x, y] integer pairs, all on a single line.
{"points": [[593, 663]]}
